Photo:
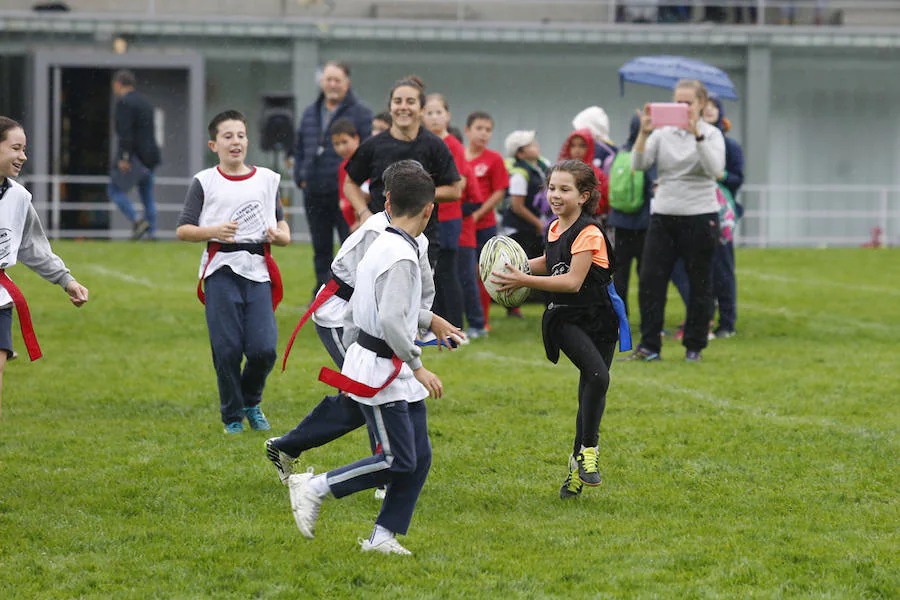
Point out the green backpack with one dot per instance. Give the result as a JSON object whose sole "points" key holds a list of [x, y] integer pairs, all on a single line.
{"points": [[626, 187]]}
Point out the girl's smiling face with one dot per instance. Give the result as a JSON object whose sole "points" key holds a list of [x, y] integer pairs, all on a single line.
{"points": [[12, 152], [405, 107], [563, 196]]}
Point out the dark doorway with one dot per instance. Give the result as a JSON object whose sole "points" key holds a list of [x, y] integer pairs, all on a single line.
{"points": [[84, 142]]}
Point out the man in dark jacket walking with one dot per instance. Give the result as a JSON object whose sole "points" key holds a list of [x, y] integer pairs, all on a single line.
{"points": [[137, 154], [316, 163]]}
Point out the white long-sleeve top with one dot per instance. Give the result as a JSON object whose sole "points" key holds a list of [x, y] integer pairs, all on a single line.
{"points": [[686, 170]]}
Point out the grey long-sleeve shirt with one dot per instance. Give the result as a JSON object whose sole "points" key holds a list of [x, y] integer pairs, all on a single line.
{"points": [[686, 170], [396, 282], [36, 254]]}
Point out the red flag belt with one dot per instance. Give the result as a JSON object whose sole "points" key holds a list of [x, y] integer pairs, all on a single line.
{"points": [[214, 248], [31, 343], [350, 386], [324, 294]]}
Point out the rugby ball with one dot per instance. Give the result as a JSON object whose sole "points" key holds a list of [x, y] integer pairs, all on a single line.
{"points": [[498, 252]]}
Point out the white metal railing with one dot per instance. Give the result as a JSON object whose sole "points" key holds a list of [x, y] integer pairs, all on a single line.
{"points": [[819, 215], [54, 205], [775, 215]]}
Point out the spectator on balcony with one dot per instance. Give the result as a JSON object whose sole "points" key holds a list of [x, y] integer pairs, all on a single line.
{"points": [[739, 12], [674, 13], [316, 162], [714, 12], [639, 11], [136, 156]]}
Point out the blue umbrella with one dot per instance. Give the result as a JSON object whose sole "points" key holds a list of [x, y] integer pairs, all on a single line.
{"points": [[665, 71]]}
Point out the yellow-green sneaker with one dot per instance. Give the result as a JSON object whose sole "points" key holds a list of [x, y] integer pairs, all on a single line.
{"points": [[571, 487], [588, 467]]}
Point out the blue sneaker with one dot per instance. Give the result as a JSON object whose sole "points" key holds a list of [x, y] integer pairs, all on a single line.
{"points": [[257, 419], [236, 427], [692, 356], [642, 354]]}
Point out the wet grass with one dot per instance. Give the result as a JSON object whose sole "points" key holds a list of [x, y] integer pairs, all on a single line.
{"points": [[769, 470]]}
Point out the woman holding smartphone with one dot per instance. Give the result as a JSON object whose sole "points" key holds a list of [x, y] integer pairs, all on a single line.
{"points": [[684, 221]]}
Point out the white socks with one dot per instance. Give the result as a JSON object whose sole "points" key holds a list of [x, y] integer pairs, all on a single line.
{"points": [[319, 485], [379, 535]]}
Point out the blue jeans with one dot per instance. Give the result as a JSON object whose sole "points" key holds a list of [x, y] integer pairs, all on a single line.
{"points": [[241, 323], [145, 190]]}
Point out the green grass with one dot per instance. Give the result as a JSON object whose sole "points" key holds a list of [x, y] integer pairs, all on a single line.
{"points": [[767, 471]]}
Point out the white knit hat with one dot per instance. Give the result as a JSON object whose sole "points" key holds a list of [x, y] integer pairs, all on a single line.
{"points": [[595, 119], [518, 139]]}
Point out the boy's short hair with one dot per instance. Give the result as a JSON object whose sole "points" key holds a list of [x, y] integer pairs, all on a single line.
{"points": [[478, 114], [225, 115], [384, 116], [401, 166], [410, 186], [125, 77], [343, 126]]}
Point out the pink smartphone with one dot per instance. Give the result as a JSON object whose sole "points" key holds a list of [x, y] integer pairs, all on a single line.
{"points": [[669, 113]]}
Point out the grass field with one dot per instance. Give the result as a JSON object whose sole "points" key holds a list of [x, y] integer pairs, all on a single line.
{"points": [[770, 470]]}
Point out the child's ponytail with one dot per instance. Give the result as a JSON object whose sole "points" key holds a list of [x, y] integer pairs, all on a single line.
{"points": [[589, 208]]}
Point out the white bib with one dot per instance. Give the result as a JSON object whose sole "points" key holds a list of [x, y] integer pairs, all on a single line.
{"points": [[250, 200], [331, 313], [364, 365], [13, 211]]}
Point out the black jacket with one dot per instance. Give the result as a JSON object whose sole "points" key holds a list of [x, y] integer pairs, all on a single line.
{"points": [[315, 161], [135, 129]]}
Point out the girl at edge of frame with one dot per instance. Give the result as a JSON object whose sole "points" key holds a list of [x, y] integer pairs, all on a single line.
{"points": [[25, 242], [580, 320]]}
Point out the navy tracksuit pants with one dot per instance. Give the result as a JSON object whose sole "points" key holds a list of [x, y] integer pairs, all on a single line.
{"points": [[333, 417], [401, 428], [241, 324]]}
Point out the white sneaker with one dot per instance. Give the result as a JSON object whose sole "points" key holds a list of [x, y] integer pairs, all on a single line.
{"points": [[460, 338], [380, 493], [388, 546], [283, 462], [304, 503]]}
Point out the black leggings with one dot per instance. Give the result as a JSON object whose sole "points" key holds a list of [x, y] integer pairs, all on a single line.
{"points": [[593, 360]]}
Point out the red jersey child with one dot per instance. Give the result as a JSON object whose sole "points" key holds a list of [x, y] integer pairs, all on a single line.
{"points": [[345, 140], [580, 146], [492, 177]]}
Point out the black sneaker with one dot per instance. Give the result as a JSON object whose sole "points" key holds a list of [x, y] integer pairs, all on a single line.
{"points": [[692, 356], [139, 228], [572, 486], [284, 463]]}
